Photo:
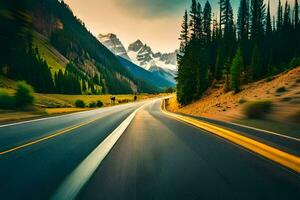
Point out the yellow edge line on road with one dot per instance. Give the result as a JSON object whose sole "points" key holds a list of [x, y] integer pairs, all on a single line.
{"points": [[288, 160], [48, 137]]}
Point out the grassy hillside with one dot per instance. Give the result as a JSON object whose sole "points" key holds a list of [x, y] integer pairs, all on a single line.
{"points": [[64, 45], [55, 60], [58, 100], [283, 91]]}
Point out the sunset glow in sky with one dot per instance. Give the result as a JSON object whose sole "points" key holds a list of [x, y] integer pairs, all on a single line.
{"points": [[155, 22]]}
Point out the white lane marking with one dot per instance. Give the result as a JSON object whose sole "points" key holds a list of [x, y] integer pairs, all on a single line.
{"points": [[72, 185], [66, 115], [269, 132]]}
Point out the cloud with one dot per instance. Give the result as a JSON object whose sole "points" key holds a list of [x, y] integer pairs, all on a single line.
{"points": [[152, 8]]}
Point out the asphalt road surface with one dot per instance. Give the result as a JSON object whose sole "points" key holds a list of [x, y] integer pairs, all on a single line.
{"points": [[156, 157]]}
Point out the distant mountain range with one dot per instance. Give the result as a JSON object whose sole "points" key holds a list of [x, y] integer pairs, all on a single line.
{"points": [[163, 65], [74, 61]]}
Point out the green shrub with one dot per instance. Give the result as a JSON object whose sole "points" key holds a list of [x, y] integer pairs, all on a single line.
{"points": [[93, 105], [99, 103], [24, 95], [257, 109], [281, 89], [242, 101], [6, 101], [80, 103]]}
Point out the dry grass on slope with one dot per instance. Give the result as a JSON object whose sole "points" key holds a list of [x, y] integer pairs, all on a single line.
{"points": [[283, 90]]}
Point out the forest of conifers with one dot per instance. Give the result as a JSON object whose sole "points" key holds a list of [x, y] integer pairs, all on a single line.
{"points": [[222, 48], [20, 59]]}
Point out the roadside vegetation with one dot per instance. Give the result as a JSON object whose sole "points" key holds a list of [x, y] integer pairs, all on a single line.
{"points": [[22, 99], [221, 51], [18, 101], [257, 104], [257, 109]]}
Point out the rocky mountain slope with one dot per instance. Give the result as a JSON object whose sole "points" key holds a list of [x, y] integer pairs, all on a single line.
{"points": [[142, 55], [163, 65], [113, 43], [156, 78]]}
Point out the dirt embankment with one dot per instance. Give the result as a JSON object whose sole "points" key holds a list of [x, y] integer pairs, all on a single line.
{"points": [[283, 90]]}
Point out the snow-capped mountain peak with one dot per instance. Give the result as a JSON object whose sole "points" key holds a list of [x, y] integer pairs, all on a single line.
{"points": [[135, 46], [161, 64], [112, 42], [142, 55]]}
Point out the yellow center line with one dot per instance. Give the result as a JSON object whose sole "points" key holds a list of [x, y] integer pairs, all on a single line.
{"points": [[288, 160], [55, 134]]}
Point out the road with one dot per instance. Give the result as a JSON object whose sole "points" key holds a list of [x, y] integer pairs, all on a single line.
{"points": [[157, 157]]}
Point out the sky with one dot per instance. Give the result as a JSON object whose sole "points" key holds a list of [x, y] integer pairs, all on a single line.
{"points": [[155, 22]]}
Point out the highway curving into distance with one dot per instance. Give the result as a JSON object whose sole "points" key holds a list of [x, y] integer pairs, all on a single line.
{"points": [[132, 151]]}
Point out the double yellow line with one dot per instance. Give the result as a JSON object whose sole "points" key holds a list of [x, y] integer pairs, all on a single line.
{"points": [[285, 159]]}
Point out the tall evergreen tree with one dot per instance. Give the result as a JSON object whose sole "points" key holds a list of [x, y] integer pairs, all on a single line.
{"points": [[279, 16], [222, 19], [243, 29], [269, 22], [235, 70], [257, 19], [243, 20], [199, 22], [207, 22], [184, 34], [286, 16], [193, 19]]}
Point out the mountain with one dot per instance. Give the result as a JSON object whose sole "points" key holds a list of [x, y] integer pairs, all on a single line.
{"points": [[142, 55], [157, 79], [167, 74], [60, 51], [113, 43], [163, 65]]}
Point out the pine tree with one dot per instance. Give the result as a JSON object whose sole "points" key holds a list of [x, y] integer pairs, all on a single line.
{"points": [[279, 16], [184, 35], [193, 19], [222, 19], [60, 82], [199, 22], [269, 22], [207, 22], [243, 30], [235, 70], [227, 18], [243, 21], [257, 19], [286, 16]]}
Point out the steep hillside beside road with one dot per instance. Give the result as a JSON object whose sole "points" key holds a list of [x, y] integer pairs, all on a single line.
{"points": [[283, 90]]}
